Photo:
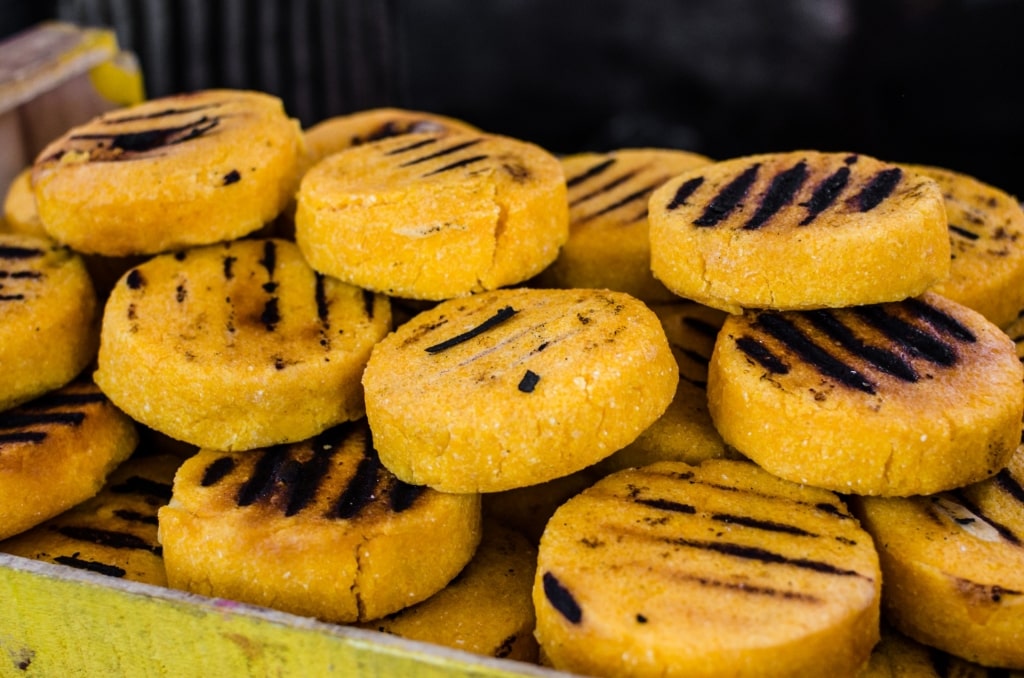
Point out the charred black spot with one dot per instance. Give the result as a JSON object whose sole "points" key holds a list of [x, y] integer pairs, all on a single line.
{"points": [[134, 279], [232, 177], [561, 599]]}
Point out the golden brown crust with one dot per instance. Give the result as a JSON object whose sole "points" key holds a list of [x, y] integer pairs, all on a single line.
{"points": [[798, 230]]}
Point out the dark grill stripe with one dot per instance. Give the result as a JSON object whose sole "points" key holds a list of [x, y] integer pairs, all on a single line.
{"points": [[780, 193], [152, 139], [54, 400], [640, 194], [747, 588], [441, 153], [217, 470], [701, 327], [499, 317], [271, 314], [940, 320], [404, 495], [306, 485], [763, 555], [762, 355], [21, 275], [880, 358], [361, 488], [143, 487], [683, 193], [590, 172], [816, 356], [22, 437], [107, 538], [368, 300], [767, 525], [910, 338], [878, 189], [464, 162], [320, 295], [90, 566], [963, 232], [1007, 483], [602, 189], [412, 146], [696, 357], [12, 297], [1004, 531], [261, 483], [562, 599], [729, 198], [826, 193], [167, 112], [9, 420], [269, 260], [667, 505], [229, 267], [12, 252], [136, 517]]}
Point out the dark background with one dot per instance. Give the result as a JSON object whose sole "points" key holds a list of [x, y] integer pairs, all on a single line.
{"points": [[927, 81]]}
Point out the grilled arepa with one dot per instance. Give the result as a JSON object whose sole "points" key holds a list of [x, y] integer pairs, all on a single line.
{"points": [[486, 609], [237, 345], [953, 564], [169, 173], [56, 451], [317, 528], [433, 216], [986, 236], [514, 387], [48, 317], [20, 213], [902, 398], [715, 570], [798, 230], [685, 431], [115, 532], [608, 246]]}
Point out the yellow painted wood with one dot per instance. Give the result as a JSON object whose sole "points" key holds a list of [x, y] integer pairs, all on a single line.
{"points": [[61, 622]]}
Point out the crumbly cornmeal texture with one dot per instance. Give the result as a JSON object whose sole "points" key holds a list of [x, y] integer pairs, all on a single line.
{"points": [[354, 129], [903, 398], [798, 230], [515, 387], [685, 432], [237, 345], [954, 567], [608, 246], [433, 216], [486, 609], [317, 528], [713, 570], [56, 451], [896, 656], [48, 317], [169, 173], [20, 213], [115, 532], [986, 235]]}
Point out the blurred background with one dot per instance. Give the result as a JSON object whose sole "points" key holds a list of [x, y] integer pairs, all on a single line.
{"points": [[926, 81]]}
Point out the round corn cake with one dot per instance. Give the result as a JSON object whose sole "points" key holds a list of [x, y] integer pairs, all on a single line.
{"points": [[986, 236], [902, 398], [237, 345], [48, 317], [317, 528], [798, 230], [897, 656], [609, 246], [433, 216], [115, 532], [514, 387], [954, 567], [56, 451], [169, 173], [713, 570], [20, 213], [486, 609]]}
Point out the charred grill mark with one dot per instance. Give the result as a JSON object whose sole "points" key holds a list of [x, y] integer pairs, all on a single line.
{"points": [[144, 487], [53, 400], [134, 280], [1004, 531], [218, 469], [529, 381], [499, 317], [729, 198], [22, 437], [107, 538], [165, 113], [269, 260], [590, 172], [232, 177], [464, 162], [882, 359], [667, 505], [368, 300], [909, 337], [637, 195], [780, 193], [361, 489], [825, 194], [180, 293], [683, 193], [701, 327], [602, 189], [763, 555], [757, 524], [963, 232], [229, 267], [824, 362], [1005, 481], [562, 599], [878, 189], [320, 296], [412, 146], [745, 587], [136, 517], [270, 316], [14, 419], [12, 297], [310, 474], [941, 321], [404, 495], [13, 253], [762, 355], [90, 566], [441, 153], [152, 139], [21, 275], [261, 483]]}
